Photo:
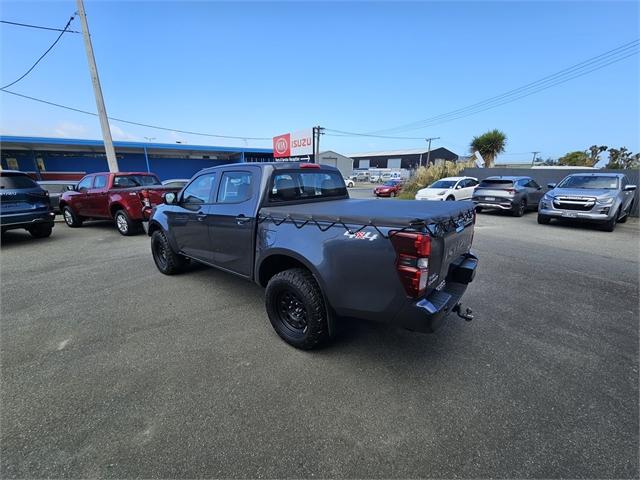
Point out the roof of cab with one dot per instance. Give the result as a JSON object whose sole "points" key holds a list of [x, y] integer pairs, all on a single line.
{"points": [[507, 177], [274, 165]]}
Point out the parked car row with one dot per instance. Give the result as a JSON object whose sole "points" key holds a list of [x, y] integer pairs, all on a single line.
{"points": [[604, 198]]}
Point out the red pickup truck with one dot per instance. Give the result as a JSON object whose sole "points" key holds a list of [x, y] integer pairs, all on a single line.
{"points": [[125, 197]]}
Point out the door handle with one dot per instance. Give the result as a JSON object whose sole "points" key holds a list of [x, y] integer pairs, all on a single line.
{"points": [[201, 216], [240, 219]]}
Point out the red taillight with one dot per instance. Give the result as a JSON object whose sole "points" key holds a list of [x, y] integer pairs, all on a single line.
{"points": [[511, 190], [412, 263], [144, 198], [309, 165]]}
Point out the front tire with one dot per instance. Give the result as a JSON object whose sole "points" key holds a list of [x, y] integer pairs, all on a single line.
{"points": [[72, 219], [451, 198], [40, 231], [610, 225], [125, 225], [544, 219], [167, 261], [296, 309]]}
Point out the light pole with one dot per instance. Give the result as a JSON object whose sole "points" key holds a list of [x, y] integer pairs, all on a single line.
{"points": [[429, 150], [533, 161], [146, 157]]}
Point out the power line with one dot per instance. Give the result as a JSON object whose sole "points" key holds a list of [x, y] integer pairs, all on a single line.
{"points": [[38, 26], [86, 112], [41, 56], [597, 62], [342, 133]]}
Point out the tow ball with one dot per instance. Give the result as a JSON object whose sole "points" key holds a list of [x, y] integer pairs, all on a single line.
{"points": [[467, 315]]}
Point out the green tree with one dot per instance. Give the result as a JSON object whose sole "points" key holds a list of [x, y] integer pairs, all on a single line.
{"points": [[575, 159], [623, 158], [489, 145]]}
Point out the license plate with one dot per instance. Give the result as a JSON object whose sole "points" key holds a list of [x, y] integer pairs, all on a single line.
{"points": [[490, 199], [569, 214]]}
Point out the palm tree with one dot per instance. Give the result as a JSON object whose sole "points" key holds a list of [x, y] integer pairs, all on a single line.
{"points": [[489, 145]]}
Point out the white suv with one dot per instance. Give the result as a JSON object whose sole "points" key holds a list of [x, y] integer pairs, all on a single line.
{"points": [[450, 188]]}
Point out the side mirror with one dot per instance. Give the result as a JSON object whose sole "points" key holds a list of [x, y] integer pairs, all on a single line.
{"points": [[71, 188], [630, 188], [539, 187], [458, 187], [551, 185], [170, 198]]}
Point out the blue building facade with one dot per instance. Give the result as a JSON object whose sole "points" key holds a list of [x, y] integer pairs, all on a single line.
{"points": [[48, 157]]}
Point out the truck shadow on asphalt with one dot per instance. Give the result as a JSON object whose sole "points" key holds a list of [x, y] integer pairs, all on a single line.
{"points": [[22, 237]]}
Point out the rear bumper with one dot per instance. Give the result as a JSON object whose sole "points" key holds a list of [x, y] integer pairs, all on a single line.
{"points": [[501, 204], [10, 221], [428, 313]]}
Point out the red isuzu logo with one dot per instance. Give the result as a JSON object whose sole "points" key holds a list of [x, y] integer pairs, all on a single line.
{"points": [[282, 146]]}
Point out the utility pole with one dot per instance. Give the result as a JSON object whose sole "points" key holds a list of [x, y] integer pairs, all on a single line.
{"points": [[97, 90], [317, 131], [429, 150], [533, 161]]}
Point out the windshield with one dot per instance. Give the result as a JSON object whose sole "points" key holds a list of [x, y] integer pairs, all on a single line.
{"points": [[443, 184], [496, 184], [590, 181], [298, 185], [127, 181], [16, 181], [390, 183]]}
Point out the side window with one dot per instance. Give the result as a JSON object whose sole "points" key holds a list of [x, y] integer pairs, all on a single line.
{"points": [[199, 191], [85, 184], [624, 182], [235, 187], [533, 184], [472, 183], [462, 184], [523, 182], [101, 181]]}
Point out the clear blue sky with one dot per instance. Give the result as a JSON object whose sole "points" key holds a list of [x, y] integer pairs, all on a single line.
{"points": [[260, 69]]}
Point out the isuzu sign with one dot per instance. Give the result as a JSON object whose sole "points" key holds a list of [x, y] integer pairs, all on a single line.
{"points": [[293, 144]]}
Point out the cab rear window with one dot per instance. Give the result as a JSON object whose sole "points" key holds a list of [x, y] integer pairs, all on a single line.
{"points": [[296, 185], [16, 182]]}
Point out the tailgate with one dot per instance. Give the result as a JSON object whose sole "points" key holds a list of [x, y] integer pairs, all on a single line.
{"points": [[482, 193], [444, 250]]}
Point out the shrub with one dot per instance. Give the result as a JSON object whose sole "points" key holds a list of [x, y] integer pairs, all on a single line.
{"points": [[424, 176]]}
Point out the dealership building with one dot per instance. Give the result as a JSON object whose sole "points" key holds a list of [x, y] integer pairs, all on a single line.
{"points": [[396, 159], [72, 158]]}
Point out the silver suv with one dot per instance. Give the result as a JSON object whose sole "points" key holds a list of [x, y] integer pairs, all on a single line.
{"points": [[606, 198]]}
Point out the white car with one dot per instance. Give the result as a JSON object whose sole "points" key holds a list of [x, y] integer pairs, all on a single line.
{"points": [[349, 183], [450, 188]]}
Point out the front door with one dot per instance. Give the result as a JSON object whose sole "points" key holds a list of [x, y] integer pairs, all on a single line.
{"points": [[233, 222], [97, 201], [189, 220], [534, 193], [81, 199]]}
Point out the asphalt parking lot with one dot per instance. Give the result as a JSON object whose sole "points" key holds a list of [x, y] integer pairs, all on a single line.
{"points": [[110, 369]]}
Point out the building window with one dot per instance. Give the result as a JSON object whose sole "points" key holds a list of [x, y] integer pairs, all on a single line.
{"points": [[363, 163], [40, 164], [12, 164]]}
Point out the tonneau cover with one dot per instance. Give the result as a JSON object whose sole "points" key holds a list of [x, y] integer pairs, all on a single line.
{"points": [[381, 213]]}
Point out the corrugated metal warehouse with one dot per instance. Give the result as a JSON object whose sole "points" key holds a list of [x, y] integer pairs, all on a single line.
{"points": [[408, 159], [47, 157]]}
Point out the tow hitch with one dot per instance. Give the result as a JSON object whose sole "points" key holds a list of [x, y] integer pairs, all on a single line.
{"points": [[467, 315]]}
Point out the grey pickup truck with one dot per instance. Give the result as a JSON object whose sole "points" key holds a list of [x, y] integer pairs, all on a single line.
{"points": [[292, 228]]}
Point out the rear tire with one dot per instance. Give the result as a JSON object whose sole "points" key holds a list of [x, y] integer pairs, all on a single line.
{"points": [[296, 309], [520, 209], [544, 219], [167, 261], [40, 231], [72, 219], [125, 225]]}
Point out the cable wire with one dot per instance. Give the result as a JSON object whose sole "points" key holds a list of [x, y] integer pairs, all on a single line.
{"points": [[575, 71], [41, 56], [115, 119], [38, 26]]}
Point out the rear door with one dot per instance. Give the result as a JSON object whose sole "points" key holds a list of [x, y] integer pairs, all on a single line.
{"points": [[232, 219], [188, 221]]}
